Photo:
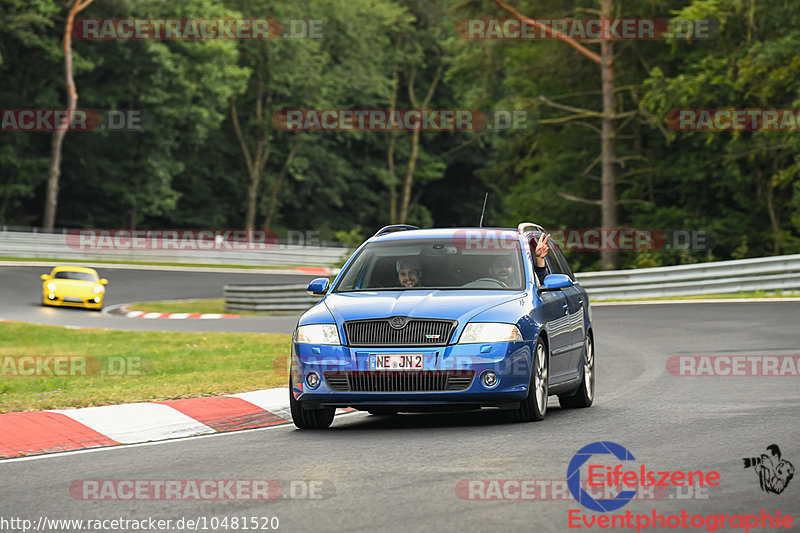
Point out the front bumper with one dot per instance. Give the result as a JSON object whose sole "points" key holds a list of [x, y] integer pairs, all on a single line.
{"points": [[70, 300], [344, 369]]}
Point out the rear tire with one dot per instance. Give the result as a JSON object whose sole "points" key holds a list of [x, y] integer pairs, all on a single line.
{"points": [[584, 395], [534, 407], [309, 418]]}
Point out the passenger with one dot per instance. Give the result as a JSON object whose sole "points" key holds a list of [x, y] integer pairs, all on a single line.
{"points": [[542, 248], [409, 272]]}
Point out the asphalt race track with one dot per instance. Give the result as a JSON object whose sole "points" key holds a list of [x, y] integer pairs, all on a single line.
{"points": [[20, 299], [401, 473]]}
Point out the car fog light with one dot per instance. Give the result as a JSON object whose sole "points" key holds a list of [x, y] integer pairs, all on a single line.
{"points": [[97, 299], [312, 379], [489, 379], [51, 296]]}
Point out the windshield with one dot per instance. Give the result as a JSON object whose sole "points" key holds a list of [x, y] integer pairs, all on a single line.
{"points": [[433, 264], [80, 276]]}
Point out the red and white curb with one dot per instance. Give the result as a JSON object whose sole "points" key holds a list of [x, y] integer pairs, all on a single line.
{"points": [[57, 430], [178, 316]]}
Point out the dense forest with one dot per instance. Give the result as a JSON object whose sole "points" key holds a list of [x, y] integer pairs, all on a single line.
{"points": [[210, 152]]}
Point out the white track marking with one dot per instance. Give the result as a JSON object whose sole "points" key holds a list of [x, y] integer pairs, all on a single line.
{"points": [[137, 422], [275, 401]]}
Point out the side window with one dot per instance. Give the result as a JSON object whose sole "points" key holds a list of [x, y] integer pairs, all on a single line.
{"points": [[555, 264], [564, 264]]}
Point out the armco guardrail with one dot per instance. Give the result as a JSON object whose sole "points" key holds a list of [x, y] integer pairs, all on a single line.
{"points": [[765, 274], [268, 298], [55, 245]]}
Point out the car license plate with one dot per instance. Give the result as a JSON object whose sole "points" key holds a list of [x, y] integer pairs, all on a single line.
{"points": [[396, 361], [73, 299]]}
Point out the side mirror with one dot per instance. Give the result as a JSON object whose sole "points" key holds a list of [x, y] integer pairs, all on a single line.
{"points": [[318, 286], [44, 277], [103, 281], [553, 282]]}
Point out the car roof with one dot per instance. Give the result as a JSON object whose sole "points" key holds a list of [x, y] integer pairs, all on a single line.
{"points": [[86, 270], [433, 233]]}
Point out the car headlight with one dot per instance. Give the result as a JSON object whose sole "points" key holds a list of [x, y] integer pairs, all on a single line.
{"points": [[317, 334], [478, 332], [52, 287], [97, 288]]}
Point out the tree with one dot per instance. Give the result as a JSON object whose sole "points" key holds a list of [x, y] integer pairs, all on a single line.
{"points": [[608, 200], [181, 89], [345, 69], [51, 200], [742, 184], [29, 53]]}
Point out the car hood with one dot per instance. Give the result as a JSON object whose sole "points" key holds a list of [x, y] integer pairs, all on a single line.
{"points": [[73, 285], [458, 305]]}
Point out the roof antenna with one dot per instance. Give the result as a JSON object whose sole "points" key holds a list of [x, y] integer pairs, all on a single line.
{"points": [[480, 224]]}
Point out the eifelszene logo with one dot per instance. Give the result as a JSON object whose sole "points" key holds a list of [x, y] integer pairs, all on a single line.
{"points": [[630, 477], [574, 476], [774, 473], [610, 466]]}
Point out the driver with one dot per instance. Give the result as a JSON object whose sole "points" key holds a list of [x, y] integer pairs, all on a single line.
{"points": [[501, 269], [409, 273]]}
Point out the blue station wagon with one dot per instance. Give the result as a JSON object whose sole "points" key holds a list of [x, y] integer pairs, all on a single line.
{"points": [[443, 319]]}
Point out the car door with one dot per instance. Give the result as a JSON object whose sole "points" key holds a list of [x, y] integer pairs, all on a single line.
{"points": [[553, 312], [573, 315]]}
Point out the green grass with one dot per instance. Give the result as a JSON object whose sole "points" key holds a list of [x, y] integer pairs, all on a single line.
{"points": [[171, 365], [749, 294]]}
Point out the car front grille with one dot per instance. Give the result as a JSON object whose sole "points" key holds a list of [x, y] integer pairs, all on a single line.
{"points": [[414, 332], [403, 381]]}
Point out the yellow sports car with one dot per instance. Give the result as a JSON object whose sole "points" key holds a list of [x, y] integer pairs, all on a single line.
{"points": [[74, 287]]}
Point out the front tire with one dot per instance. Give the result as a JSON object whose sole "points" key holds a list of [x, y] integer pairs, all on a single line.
{"points": [[309, 418], [584, 396], [534, 407]]}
